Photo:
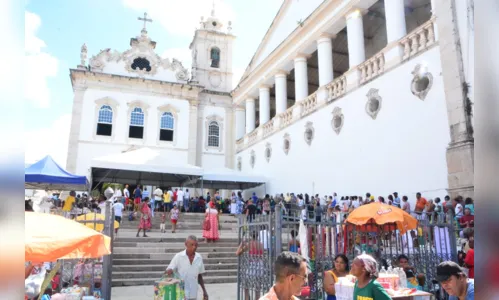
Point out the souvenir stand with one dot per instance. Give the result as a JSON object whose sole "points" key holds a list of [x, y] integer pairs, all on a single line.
{"points": [[78, 251], [374, 221]]}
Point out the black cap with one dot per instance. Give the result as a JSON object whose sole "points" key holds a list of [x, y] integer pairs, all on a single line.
{"points": [[446, 269]]}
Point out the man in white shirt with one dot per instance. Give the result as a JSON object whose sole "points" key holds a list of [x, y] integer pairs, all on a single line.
{"points": [[158, 198], [189, 265], [180, 199], [126, 194], [118, 212]]}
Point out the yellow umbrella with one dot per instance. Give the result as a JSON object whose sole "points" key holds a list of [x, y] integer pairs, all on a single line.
{"points": [[50, 237], [95, 216]]}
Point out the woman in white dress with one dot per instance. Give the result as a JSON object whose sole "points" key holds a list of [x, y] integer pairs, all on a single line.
{"points": [[233, 204]]}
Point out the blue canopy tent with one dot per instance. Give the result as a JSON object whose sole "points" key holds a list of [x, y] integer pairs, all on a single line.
{"points": [[46, 174]]}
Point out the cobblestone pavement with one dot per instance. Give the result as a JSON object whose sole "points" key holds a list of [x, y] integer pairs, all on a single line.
{"points": [[225, 291]]}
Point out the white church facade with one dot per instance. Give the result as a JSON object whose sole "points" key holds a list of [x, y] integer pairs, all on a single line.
{"points": [[341, 96]]}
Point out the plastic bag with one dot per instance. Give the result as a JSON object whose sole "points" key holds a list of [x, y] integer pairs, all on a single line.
{"points": [[169, 288], [33, 284]]}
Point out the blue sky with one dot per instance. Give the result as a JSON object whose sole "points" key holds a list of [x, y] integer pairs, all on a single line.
{"points": [[56, 29]]}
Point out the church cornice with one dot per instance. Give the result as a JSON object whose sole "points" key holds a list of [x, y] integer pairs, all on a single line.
{"points": [[206, 91], [89, 79]]}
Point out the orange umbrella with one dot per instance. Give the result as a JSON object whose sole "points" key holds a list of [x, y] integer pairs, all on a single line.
{"points": [[381, 214], [50, 237]]}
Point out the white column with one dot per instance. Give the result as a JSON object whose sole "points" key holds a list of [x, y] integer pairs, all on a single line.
{"points": [[301, 78], [355, 35], [281, 93], [395, 20], [434, 15], [250, 115], [264, 104], [240, 122], [325, 56]]}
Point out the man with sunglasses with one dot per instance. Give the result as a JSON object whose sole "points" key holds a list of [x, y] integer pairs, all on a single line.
{"points": [[291, 275]]}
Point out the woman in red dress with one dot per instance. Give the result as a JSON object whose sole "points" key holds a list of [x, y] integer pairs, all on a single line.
{"points": [[212, 216], [145, 217]]}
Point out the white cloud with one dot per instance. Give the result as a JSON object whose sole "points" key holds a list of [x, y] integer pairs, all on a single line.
{"points": [[38, 65], [181, 17], [52, 140]]}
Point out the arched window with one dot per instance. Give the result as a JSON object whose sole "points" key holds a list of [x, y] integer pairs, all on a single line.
{"points": [[136, 129], [215, 57], [105, 121], [166, 127], [213, 134]]}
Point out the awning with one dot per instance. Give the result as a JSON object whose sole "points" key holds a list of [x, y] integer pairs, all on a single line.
{"points": [[225, 178], [143, 166], [46, 174]]}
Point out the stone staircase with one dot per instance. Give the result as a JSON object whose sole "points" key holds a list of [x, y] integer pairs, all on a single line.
{"points": [[142, 260]]}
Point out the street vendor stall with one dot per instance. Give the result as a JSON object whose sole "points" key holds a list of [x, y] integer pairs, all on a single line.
{"points": [[46, 174], [50, 238]]}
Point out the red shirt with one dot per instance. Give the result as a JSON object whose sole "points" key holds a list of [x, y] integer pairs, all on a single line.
{"points": [[420, 204], [466, 218], [469, 260]]}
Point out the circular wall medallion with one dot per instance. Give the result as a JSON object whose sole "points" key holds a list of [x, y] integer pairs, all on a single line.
{"points": [[215, 79]]}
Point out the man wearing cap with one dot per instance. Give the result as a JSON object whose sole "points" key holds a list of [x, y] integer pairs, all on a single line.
{"points": [[455, 282]]}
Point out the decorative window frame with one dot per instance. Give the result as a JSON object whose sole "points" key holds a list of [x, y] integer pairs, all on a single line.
{"points": [[174, 111], [145, 108], [373, 95], [221, 132], [309, 127], [114, 106], [287, 138], [337, 113], [239, 163], [153, 62], [418, 73], [221, 49], [252, 158], [268, 149]]}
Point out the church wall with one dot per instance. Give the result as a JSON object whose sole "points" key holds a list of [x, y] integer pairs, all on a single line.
{"points": [[288, 22], [118, 68], [121, 119], [402, 150]]}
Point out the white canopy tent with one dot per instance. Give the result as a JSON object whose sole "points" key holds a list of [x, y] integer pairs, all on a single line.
{"points": [[143, 166], [225, 178]]}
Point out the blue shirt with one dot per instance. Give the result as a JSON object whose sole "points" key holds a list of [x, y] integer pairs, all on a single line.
{"points": [[470, 294], [396, 201], [138, 193], [145, 194]]}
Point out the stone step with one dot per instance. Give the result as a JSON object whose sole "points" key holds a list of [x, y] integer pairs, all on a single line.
{"points": [[191, 216], [151, 268], [155, 275], [146, 281], [168, 255], [169, 248], [163, 261], [171, 240], [172, 244], [180, 226]]}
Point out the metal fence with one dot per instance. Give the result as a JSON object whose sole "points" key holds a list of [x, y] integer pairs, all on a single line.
{"points": [[432, 242], [95, 274]]}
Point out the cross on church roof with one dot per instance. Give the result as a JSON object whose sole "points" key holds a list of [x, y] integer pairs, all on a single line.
{"points": [[145, 19]]}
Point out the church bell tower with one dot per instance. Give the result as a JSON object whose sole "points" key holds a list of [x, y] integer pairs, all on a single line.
{"points": [[211, 51]]}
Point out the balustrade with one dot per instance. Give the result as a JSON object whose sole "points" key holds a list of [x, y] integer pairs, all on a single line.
{"points": [[268, 128], [336, 88], [418, 40], [372, 67], [309, 104], [287, 117], [253, 136]]}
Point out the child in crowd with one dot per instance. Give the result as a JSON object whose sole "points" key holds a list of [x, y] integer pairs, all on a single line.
{"points": [[162, 227], [174, 214]]}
